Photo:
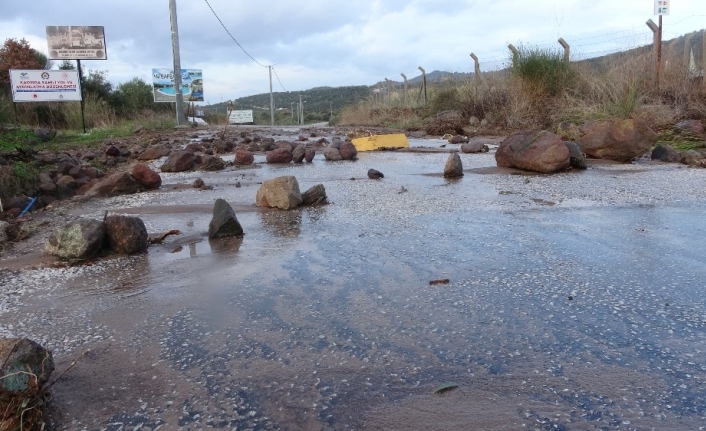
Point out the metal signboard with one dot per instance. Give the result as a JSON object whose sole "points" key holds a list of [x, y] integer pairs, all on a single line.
{"points": [[45, 85], [191, 81], [74, 42], [240, 117], [662, 7]]}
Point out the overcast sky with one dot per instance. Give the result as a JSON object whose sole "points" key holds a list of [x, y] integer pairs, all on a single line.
{"points": [[338, 42]]}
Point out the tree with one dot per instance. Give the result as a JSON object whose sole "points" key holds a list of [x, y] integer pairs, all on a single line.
{"points": [[96, 82], [67, 65], [16, 54], [137, 95]]}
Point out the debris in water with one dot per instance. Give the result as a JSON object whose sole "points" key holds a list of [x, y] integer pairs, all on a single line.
{"points": [[439, 281], [446, 387]]}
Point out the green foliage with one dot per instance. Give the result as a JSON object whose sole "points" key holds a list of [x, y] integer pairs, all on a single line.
{"points": [[15, 138], [17, 54], [96, 82], [544, 69], [132, 96]]}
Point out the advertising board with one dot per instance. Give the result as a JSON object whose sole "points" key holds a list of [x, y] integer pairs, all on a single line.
{"points": [[240, 117], [191, 82], [45, 85], [67, 42]]}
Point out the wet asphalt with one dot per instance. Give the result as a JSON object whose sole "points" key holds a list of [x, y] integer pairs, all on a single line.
{"points": [[575, 301]]}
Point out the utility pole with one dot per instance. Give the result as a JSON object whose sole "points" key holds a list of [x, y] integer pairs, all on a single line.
{"points": [[291, 108], [659, 51], [272, 100], [301, 110], [177, 64]]}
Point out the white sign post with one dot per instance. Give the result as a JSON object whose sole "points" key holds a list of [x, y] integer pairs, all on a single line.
{"points": [[241, 117], [45, 86]]}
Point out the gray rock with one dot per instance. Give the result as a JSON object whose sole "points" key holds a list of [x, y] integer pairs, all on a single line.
{"points": [[178, 161], [126, 235], [21, 360], [577, 159], [454, 167], [332, 154], [281, 192], [316, 195], [374, 174], [224, 222], [211, 163], [198, 183], [82, 239], [474, 147], [309, 154], [692, 158], [665, 153]]}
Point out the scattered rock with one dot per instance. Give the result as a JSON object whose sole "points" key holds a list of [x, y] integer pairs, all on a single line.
{"points": [[620, 140], [45, 135], [666, 153], [244, 157], [694, 127], [577, 159], [126, 235], [82, 239], [298, 153], [148, 178], [454, 167], [224, 222], [178, 161], [374, 174], [444, 122], [153, 152], [533, 150], [692, 158], [458, 139], [309, 154], [112, 151], [332, 154], [279, 155], [198, 183], [348, 151], [281, 192], [16, 202], [316, 195], [211, 163], [285, 144], [119, 183], [474, 147], [25, 366]]}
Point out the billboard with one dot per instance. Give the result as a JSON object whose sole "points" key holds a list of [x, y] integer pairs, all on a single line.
{"points": [[45, 85], [191, 82], [240, 117], [76, 42]]}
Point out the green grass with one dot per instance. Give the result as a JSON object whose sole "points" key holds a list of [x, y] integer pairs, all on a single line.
{"points": [[544, 69]]}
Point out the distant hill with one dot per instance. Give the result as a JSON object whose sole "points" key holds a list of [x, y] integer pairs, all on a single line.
{"points": [[325, 99]]}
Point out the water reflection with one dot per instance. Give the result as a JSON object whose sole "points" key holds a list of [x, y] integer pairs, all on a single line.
{"points": [[286, 224]]}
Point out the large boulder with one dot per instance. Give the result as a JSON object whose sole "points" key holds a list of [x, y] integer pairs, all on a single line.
{"points": [[153, 152], [348, 151], [146, 176], [316, 195], [444, 122], [690, 127], [620, 140], [577, 159], [82, 239], [224, 222], [119, 183], [665, 153], [454, 167], [178, 161], [533, 150], [211, 163], [279, 155], [280, 192], [25, 366], [692, 158], [126, 235]]}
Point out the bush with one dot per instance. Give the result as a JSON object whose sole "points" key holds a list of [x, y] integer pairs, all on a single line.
{"points": [[545, 70]]}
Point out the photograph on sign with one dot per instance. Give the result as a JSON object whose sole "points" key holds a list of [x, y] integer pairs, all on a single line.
{"points": [[45, 85], [191, 83], [76, 42], [240, 117]]}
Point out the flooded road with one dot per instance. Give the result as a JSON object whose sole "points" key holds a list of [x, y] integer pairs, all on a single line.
{"points": [[575, 302]]}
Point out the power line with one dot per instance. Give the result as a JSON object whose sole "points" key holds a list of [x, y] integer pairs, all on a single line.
{"points": [[231, 36], [278, 80]]}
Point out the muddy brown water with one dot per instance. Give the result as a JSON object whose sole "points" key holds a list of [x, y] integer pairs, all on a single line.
{"points": [[556, 317]]}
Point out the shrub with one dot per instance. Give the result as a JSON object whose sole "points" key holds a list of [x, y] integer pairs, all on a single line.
{"points": [[544, 70]]}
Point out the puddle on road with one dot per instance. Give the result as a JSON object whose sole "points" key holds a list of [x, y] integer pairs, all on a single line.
{"points": [[323, 318]]}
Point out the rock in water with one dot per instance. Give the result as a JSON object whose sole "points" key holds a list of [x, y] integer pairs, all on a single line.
{"points": [[126, 235], [244, 157], [315, 195], [78, 240], [374, 174], [22, 359], [332, 154], [309, 154], [279, 155], [533, 150], [298, 153], [178, 161], [348, 151], [146, 176], [119, 183], [280, 192], [224, 222], [454, 167], [211, 163]]}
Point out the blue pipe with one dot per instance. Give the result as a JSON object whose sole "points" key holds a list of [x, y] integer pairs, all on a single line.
{"points": [[28, 207]]}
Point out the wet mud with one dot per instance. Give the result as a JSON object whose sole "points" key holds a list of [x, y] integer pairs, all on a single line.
{"points": [[564, 311]]}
